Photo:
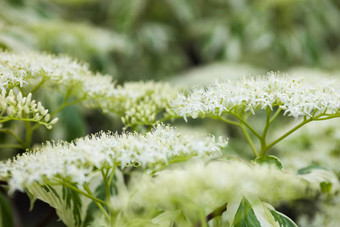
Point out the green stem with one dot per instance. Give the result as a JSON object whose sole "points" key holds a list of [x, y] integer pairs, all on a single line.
{"points": [[112, 175], [90, 196], [263, 152], [224, 120], [326, 118], [264, 132], [22, 119], [249, 140], [29, 132], [99, 204], [107, 185], [275, 115], [246, 124], [12, 134], [65, 104], [11, 146], [168, 117], [38, 85]]}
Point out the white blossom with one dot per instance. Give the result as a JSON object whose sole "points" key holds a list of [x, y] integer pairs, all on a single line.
{"points": [[76, 161], [295, 96], [134, 102], [18, 69]]}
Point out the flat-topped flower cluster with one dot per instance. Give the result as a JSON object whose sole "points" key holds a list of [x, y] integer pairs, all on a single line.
{"points": [[76, 161], [134, 102], [295, 96], [16, 69]]}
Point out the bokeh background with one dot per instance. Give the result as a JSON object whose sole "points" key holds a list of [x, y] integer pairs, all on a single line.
{"points": [[183, 42]]}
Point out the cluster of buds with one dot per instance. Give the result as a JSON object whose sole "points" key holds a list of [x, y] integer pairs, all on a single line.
{"points": [[18, 107], [139, 102]]}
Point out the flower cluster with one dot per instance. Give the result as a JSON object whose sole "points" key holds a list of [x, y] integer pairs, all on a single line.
{"points": [[293, 96], [139, 102], [134, 102], [78, 160], [17, 107], [16, 69]]}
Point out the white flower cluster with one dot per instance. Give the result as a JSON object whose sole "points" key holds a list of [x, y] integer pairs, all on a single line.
{"points": [[16, 69], [294, 96], [17, 107], [210, 185], [134, 102], [76, 161], [139, 102]]}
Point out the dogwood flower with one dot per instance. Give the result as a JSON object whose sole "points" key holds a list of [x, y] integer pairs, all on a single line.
{"points": [[134, 102], [295, 96], [19, 69], [78, 160]]}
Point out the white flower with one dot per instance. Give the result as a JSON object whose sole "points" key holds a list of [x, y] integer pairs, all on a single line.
{"points": [[134, 102], [18, 69], [76, 161], [294, 96]]}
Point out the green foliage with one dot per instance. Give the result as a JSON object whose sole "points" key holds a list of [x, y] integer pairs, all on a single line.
{"points": [[269, 160], [73, 202], [68, 203], [282, 219], [245, 216], [6, 214]]}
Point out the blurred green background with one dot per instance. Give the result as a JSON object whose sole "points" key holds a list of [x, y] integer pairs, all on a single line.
{"points": [[152, 39], [180, 41]]}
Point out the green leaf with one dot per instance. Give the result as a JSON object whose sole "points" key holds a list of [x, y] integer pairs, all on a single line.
{"points": [[269, 160], [32, 199], [67, 203], [73, 202], [52, 190], [92, 208], [309, 169], [320, 179], [326, 187], [282, 219], [166, 218], [6, 214], [245, 216]]}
